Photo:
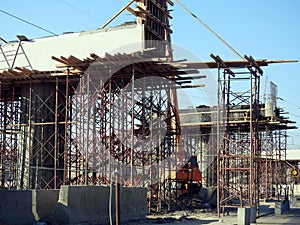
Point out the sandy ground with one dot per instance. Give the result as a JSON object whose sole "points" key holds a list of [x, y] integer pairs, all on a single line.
{"points": [[197, 217]]}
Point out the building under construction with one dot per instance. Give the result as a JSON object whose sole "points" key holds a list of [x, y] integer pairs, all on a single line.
{"points": [[79, 107]]}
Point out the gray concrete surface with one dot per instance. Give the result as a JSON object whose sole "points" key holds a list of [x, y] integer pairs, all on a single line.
{"points": [[26, 206], [71, 205], [199, 217], [243, 216], [90, 205], [279, 208], [15, 207], [43, 203], [253, 214], [133, 203]]}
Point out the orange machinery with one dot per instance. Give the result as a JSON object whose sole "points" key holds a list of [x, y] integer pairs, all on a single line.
{"points": [[189, 178]]}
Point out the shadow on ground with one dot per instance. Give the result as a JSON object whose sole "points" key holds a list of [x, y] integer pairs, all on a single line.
{"points": [[265, 210], [291, 217], [171, 220]]}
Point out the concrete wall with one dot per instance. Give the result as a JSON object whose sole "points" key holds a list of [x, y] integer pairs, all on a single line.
{"points": [[71, 205], [15, 207], [43, 203], [133, 203], [26, 206], [90, 205]]}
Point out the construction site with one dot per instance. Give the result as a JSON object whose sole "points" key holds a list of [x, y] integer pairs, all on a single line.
{"points": [[100, 125]]}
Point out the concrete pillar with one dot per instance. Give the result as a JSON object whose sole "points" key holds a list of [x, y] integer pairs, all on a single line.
{"points": [[243, 216], [43, 144]]}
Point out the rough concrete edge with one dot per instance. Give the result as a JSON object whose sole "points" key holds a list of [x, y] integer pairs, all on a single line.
{"points": [[44, 203]]}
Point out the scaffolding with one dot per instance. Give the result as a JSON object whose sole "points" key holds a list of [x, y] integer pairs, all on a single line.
{"points": [[95, 117], [77, 127], [250, 137]]}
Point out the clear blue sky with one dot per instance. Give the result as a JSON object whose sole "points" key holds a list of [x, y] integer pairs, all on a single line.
{"points": [[261, 28]]}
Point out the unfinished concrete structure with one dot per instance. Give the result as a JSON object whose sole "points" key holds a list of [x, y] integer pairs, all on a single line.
{"points": [[110, 105]]}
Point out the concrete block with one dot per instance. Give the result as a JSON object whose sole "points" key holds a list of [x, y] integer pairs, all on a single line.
{"points": [[90, 205], [81, 204], [133, 203], [253, 214], [293, 201], [243, 216], [43, 203], [279, 208], [15, 207]]}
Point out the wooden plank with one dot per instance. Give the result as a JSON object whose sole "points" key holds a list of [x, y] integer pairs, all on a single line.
{"points": [[134, 12], [94, 56], [13, 72], [252, 61], [74, 62], [155, 19], [25, 71], [170, 2], [154, 32], [194, 86], [164, 10], [59, 60]]}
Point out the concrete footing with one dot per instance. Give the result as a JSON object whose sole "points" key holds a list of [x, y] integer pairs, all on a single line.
{"points": [[71, 205]]}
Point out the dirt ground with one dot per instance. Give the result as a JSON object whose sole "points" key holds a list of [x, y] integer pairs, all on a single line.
{"points": [[199, 217]]}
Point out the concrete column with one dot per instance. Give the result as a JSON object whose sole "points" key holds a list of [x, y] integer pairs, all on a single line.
{"points": [[42, 145]]}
